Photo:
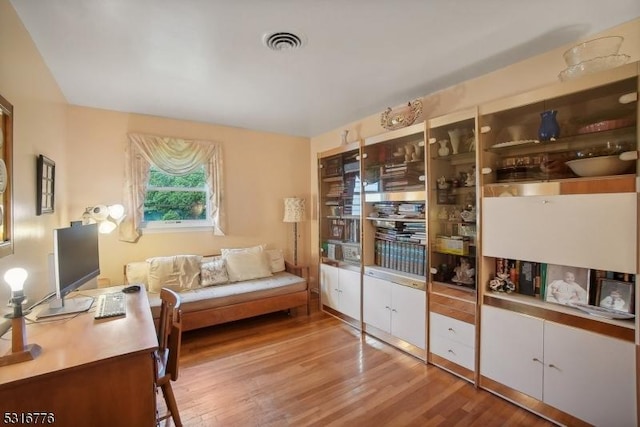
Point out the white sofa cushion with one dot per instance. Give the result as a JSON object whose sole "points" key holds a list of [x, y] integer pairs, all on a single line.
{"points": [[276, 260], [247, 265]]}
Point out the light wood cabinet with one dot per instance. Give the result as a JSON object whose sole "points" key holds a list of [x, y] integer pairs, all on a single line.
{"points": [[395, 309], [581, 373]]}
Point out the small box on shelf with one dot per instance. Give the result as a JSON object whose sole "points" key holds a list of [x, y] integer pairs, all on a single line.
{"points": [[454, 245]]}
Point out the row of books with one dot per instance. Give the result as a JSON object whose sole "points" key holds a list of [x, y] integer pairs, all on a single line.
{"points": [[395, 210], [405, 257]]}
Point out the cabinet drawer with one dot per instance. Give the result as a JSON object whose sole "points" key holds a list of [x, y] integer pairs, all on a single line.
{"points": [[452, 329], [457, 353]]}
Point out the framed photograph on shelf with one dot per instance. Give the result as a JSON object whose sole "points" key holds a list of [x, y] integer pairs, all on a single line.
{"points": [[566, 285], [45, 185], [615, 295]]}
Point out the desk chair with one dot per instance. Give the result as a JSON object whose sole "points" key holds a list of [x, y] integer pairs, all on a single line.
{"points": [[169, 338]]}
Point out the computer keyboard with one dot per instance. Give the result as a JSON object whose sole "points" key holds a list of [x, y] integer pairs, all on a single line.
{"points": [[110, 305]]}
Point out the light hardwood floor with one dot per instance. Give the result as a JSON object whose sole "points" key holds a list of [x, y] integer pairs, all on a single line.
{"points": [[279, 370]]}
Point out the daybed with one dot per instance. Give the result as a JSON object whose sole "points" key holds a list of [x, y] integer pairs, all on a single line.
{"points": [[238, 284]]}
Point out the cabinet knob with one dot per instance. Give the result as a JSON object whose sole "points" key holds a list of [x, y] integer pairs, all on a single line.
{"points": [[535, 359], [365, 155], [544, 202], [433, 270], [432, 140], [451, 351], [485, 129], [422, 178], [486, 171], [387, 307], [551, 365], [394, 310], [451, 330]]}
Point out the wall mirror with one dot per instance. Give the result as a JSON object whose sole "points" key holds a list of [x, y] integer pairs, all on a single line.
{"points": [[6, 177]]}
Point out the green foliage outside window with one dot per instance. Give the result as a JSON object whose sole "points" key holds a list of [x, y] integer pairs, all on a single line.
{"points": [[174, 198]]}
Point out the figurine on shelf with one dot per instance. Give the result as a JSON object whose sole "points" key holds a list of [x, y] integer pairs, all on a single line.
{"points": [[502, 283], [443, 214], [470, 181], [442, 183], [469, 214], [464, 272]]}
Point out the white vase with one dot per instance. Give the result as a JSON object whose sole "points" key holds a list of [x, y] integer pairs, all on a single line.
{"points": [[443, 150], [455, 136]]}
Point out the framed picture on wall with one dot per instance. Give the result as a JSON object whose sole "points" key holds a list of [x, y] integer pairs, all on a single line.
{"points": [[566, 285], [45, 185]]}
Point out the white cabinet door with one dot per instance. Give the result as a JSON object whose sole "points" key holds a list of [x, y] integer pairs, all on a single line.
{"points": [[377, 303], [590, 376], [585, 230], [329, 285], [408, 314], [511, 350], [349, 293]]}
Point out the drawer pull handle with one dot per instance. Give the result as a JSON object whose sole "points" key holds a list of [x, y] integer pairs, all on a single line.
{"points": [[535, 359], [551, 365]]}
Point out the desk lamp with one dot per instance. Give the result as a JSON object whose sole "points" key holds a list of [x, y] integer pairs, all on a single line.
{"points": [[294, 212], [108, 217], [20, 352]]}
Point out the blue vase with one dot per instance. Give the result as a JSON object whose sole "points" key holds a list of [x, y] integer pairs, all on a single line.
{"points": [[549, 127]]}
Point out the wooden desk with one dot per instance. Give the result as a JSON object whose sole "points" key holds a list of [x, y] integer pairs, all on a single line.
{"points": [[90, 372]]}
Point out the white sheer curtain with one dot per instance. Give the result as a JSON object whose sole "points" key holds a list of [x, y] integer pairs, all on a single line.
{"points": [[173, 156]]}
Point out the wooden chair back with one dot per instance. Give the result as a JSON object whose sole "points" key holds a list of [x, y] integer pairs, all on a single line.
{"points": [[170, 303]]}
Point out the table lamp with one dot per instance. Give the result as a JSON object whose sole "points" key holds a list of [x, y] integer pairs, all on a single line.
{"points": [[294, 212], [20, 351]]}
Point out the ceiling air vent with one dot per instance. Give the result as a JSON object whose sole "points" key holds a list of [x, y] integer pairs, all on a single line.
{"points": [[283, 41]]}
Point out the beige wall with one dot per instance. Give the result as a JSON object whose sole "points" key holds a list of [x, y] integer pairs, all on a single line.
{"points": [[39, 128], [260, 170], [520, 77]]}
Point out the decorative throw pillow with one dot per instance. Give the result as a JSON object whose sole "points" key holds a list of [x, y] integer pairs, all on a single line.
{"points": [[179, 272], [226, 251], [247, 265], [137, 272], [276, 260], [213, 273]]}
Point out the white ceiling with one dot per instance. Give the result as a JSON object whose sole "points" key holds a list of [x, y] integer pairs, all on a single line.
{"points": [[204, 60]]}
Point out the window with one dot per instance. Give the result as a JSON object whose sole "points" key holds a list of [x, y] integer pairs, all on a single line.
{"points": [[173, 200], [171, 183]]}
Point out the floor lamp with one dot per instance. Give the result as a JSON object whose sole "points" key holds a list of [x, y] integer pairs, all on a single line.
{"points": [[294, 212]]}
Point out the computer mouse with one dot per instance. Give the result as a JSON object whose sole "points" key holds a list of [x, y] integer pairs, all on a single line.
{"points": [[131, 289]]}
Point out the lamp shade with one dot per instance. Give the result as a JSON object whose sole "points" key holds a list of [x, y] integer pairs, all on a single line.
{"points": [[108, 217], [293, 209]]}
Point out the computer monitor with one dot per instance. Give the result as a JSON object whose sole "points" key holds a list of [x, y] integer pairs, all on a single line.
{"points": [[75, 261]]}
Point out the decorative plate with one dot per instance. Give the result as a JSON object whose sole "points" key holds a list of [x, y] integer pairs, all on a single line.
{"points": [[603, 312], [3, 176], [401, 117]]}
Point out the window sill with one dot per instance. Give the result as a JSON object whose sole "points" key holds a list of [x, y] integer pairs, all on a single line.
{"points": [[178, 229]]}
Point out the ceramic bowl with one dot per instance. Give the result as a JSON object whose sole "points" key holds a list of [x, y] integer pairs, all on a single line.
{"points": [[599, 166], [603, 46]]}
